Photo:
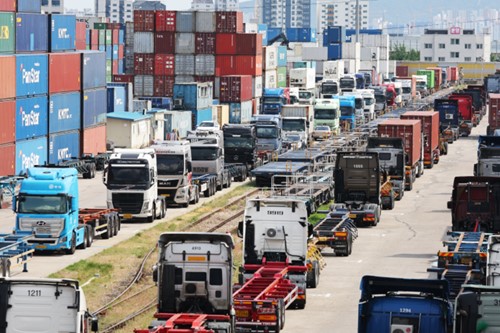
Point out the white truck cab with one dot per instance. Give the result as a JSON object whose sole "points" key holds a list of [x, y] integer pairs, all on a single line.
{"points": [[399, 92], [369, 98]]}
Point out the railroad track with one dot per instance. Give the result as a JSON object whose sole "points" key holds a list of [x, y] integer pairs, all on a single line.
{"points": [[210, 226]]}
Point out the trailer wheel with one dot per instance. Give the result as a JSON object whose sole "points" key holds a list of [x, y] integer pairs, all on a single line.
{"points": [[118, 218], [391, 202], [106, 234], [72, 247], [277, 327], [163, 210], [313, 276], [116, 226], [89, 236], [283, 310]]}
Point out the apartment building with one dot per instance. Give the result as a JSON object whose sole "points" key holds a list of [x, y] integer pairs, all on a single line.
{"points": [[53, 6], [287, 13], [342, 13]]}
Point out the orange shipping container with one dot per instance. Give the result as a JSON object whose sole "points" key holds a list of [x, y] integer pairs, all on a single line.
{"points": [[7, 122], [94, 140], [8, 81], [8, 160], [64, 72]]}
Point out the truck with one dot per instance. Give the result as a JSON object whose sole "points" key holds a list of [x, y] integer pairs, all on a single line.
{"points": [[430, 130], [357, 187], [175, 173], [368, 75], [400, 305], [131, 179], [391, 155], [408, 88], [390, 94], [476, 309], [430, 79], [411, 133], [336, 231], [303, 78], [449, 118], [268, 130], [329, 88], [493, 113], [240, 150], [467, 116], [369, 99], [488, 162], [44, 305], [298, 119], [273, 99], [398, 87], [307, 96], [493, 262], [359, 105], [474, 204], [47, 208], [360, 80], [347, 82], [207, 151], [477, 102], [327, 112], [421, 84], [194, 279], [438, 77], [380, 100], [348, 119]]}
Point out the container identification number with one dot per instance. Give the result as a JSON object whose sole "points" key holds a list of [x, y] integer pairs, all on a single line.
{"points": [[405, 310], [496, 302], [196, 248], [34, 293]]}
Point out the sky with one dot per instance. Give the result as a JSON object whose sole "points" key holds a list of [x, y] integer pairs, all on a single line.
{"points": [[171, 4]]}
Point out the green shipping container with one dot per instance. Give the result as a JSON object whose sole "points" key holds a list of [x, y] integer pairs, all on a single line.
{"points": [[281, 80], [430, 77], [100, 26], [109, 68], [7, 33], [109, 37], [102, 37]]}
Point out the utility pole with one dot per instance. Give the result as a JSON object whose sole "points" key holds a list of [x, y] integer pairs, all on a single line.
{"points": [[357, 21]]}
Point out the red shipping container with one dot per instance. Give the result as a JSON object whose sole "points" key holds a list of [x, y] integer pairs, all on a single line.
{"points": [[464, 106], [235, 89], [7, 6], [94, 47], [164, 86], [165, 42], [7, 122], [205, 78], [64, 72], [402, 71], [494, 113], [144, 20], [8, 81], [121, 52], [115, 37], [115, 67], [229, 22], [452, 74], [94, 140], [205, 43], [430, 129], [225, 44], [249, 65], [123, 78], [94, 37], [411, 133], [225, 65], [249, 44], [81, 36], [165, 20], [8, 160], [144, 63], [164, 64]]}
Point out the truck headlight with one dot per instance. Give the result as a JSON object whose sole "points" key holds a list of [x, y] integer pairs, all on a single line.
{"points": [[145, 205]]}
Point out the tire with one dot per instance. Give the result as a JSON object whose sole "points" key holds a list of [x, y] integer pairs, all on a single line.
{"points": [[111, 227], [163, 210], [279, 318], [106, 234], [221, 186], [350, 246], [72, 248], [208, 191], [391, 203], [90, 235], [283, 311], [116, 226], [313, 280], [185, 205], [153, 215], [118, 218], [83, 246], [229, 182]]}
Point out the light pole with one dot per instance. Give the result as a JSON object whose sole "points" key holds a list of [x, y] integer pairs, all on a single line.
{"points": [[357, 21]]}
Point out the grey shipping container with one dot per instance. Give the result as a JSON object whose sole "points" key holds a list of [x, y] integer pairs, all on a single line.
{"points": [[143, 85], [184, 43], [129, 33], [184, 64], [186, 21], [205, 64], [217, 87], [184, 79], [205, 21], [177, 122], [144, 42]]}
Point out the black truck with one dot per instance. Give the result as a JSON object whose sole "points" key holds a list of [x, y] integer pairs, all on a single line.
{"points": [[240, 150]]}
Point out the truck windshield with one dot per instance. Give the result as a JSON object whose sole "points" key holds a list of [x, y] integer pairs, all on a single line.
{"points": [[204, 153], [294, 125], [329, 88], [267, 132], [42, 204], [346, 111], [170, 164], [406, 90], [347, 83], [123, 175], [237, 142], [369, 101], [380, 98], [359, 103], [272, 100], [305, 94], [421, 85], [329, 114]]}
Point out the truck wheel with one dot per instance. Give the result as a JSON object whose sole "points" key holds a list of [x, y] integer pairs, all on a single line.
{"points": [[116, 226], [83, 246], [72, 247], [221, 185], [163, 210], [277, 327], [107, 221], [153, 215], [207, 192], [89, 235], [229, 182], [185, 205]]}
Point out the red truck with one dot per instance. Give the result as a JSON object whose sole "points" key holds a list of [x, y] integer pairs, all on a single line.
{"points": [[390, 94], [430, 130], [494, 113], [411, 132], [469, 119]]}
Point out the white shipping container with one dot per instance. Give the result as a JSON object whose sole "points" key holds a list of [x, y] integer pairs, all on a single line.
{"points": [[351, 50], [251, 28], [370, 53], [317, 53], [220, 113], [333, 69], [139, 105], [184, 43], [144, 42], [205, 21], [270, 57], [143, 85], [184, 64], [319, 68], [303, 78], [177, 122], [205, 64], [270, 78], [303, 111], [184, 79], [257, 86], [384, 53]]}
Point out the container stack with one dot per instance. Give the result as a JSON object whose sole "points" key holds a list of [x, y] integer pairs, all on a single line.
{"points": [[236, 91], [40, 91], [333, 38], [109, 38], [270, 66], [196, 97]]}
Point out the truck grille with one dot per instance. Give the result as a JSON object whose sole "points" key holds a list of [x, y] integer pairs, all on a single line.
{"points": [[128, 203], [42, 226], [168, 183]]}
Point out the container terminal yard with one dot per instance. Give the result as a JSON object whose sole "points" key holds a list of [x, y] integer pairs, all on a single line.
{"points": [[190, 171]]}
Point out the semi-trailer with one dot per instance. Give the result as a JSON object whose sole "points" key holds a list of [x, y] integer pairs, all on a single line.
{"points": [[467, 116], [493, 113], [449, 119], [430, 131]]}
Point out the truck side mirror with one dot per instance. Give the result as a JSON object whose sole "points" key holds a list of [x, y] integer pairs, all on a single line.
{"points": [[155, 273], [240, 229], [105, 176], [450, 204], [14, 204], [94, 324], [189, 166], [74, 204], [310, 229]]}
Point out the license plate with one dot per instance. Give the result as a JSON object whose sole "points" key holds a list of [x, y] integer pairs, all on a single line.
{"points": [[166, 195], [127, 216], [353, 216], [40, 247], [242, 313], [43, 230]]}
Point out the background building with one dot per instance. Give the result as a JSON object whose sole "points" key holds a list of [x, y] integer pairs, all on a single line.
{"points": [[53, 6], [342, 13], [118, 11], [149, 5], [286, 13], [218, 5], [454, 45]]}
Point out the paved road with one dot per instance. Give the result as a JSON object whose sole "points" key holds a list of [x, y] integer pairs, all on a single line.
{"points": [[404, 244]]}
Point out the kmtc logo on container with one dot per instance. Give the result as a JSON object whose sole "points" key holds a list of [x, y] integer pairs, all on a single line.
{"points": [[63, 154], [62, 33], [30, 118], [64, 114], [29, 161], [31, 75]]}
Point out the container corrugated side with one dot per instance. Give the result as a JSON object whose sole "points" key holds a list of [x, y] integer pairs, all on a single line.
{"points": [[184, 64], [165, 42], [7, 33], [231, 22], [205, 43], [205, 21], [7, 122], [29, 6], [184, 79], [8, 81], [257, 83], [94, 107], [177, 122], [186, 21], [116, 99], [93, 140], [93, 69], [144, 85], [184, 43], [205, 64], [32, 32], [163, 85], [235, 88], [240, 113], [164, 64], [31, 117], [64, 112], [144, 20], [201, 115], [165, 20], [8, 160], [63, 146], [30, 153], [144, 42], [64, 72], [62, 32], [8, 6]]}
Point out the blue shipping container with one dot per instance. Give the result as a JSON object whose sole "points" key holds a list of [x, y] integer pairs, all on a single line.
{"points": [[94, 107], [29, 6], [334, 51], [121, 37], [193, 96], [87, 37], [32, 32], [334, 34], [240, 113], [31, 117], [292, 34], [282, 56], [117, 99], [121, 65], [64, 146], [307, 35], [262, 29], [115, 52], [272, 33], [102, 48], [62, 32], [351, 32], [93, 69], [201, 115], [30, 153], [304, 64], [32, 76], [109, 52], [160, 102], [64, 112]]}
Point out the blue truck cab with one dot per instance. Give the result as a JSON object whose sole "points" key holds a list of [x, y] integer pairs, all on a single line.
{"points": [[449, 118], [360, 81], [268, 132], [47, 208], [404, 305], [347, 112], [273, 100]]}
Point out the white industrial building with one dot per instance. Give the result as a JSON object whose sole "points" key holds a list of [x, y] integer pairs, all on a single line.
{"points": [[342, 13], [129, 129], [53, 6], [454, 45]]}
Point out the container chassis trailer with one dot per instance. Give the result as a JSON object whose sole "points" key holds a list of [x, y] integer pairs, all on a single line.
{"points": [[337, 231]]}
